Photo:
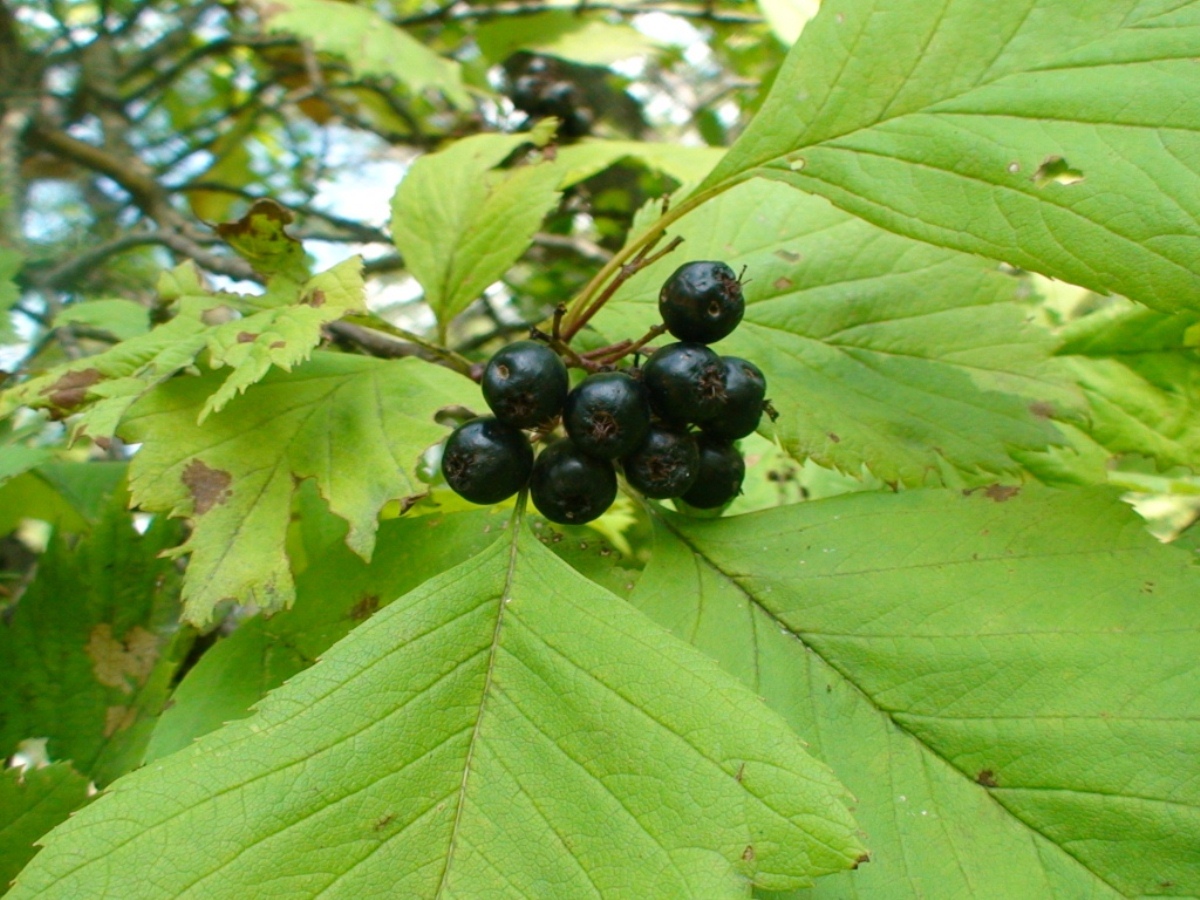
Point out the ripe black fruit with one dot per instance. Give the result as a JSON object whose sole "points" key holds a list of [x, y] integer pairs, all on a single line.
{"points": [[701, 302], [745, 388], [486, 461], [607, 415], [525, 384], [686, 382], [721, 472], [666, 464], [569, 487]]}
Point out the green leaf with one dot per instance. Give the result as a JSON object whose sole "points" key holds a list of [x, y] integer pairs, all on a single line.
{"points": [[586, 158], [1142, 381], [355, 424], [563, 33], [31, 803], [879, 109], [877, 349], [509, 729], [92, 645], [260, 237], [72, 496], [122, 319], [282, 336], [461, 223], [18, 458], [371, 44], [10, 265], [337, 592], [1006, 680]]}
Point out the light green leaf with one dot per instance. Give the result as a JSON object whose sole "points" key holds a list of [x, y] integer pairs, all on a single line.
{"points": [[787, 18], [31, 803], [461, 223], [337, 592], [509, 729], [71, 496], [10, 265], [586, 158], [879, 109], [18, 458], [371, 44], [878, 350], [122, 319], [91, 646], [260, 237], [1142, 381], [563, 33], [355, 424], [1006, 681], [282, 336]]}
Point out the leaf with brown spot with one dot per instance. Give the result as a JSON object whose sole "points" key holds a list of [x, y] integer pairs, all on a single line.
{"points": [[71, 389], [1001, 492], [209, 487], [366, 605], [260, 237], [122, 663], [987, 778]]}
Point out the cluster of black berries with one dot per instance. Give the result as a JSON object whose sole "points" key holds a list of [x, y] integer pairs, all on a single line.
{"points": [[640, 418], [541, 87]]}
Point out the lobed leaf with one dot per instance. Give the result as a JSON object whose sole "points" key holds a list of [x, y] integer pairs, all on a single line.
{"points": [[354, 424], [509, 729], [877, 349], [1006, 680], [1064, 141], [260, 237]]}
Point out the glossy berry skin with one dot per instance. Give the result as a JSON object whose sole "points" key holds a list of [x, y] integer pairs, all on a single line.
{"points": [[686, 383], [525, 384], [665, 465], [701, 302], [569, 487], [607, 415], [745, 390], [486, 461], [721, 472]]}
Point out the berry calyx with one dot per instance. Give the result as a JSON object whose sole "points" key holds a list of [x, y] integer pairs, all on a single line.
{"points": [[722, 470], [486, 461], [702, 302], [569, 487], [525, 384], [686, 382], [666, 464], [745, 390], [607, 415]]}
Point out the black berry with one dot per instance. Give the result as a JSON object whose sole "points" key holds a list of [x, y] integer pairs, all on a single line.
{"points": [[486, 461], [607, 415], [701, 302], [721, 472], [570, 487], [525, 384], [686, 382], [666, 464], [745, 388]]}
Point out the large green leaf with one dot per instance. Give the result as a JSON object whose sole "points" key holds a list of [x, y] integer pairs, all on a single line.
{"points": [[877, 349], [1057, 135], [69, 495], [1141, 373], [336, 592], [461, 222], [31, 803], [91, 646], [355, 424], [1007, 681], [371, 44], [509, 729], [564, 33]]}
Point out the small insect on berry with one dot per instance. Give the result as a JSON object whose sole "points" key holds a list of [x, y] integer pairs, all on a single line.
{"points": [[702, 302]]}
